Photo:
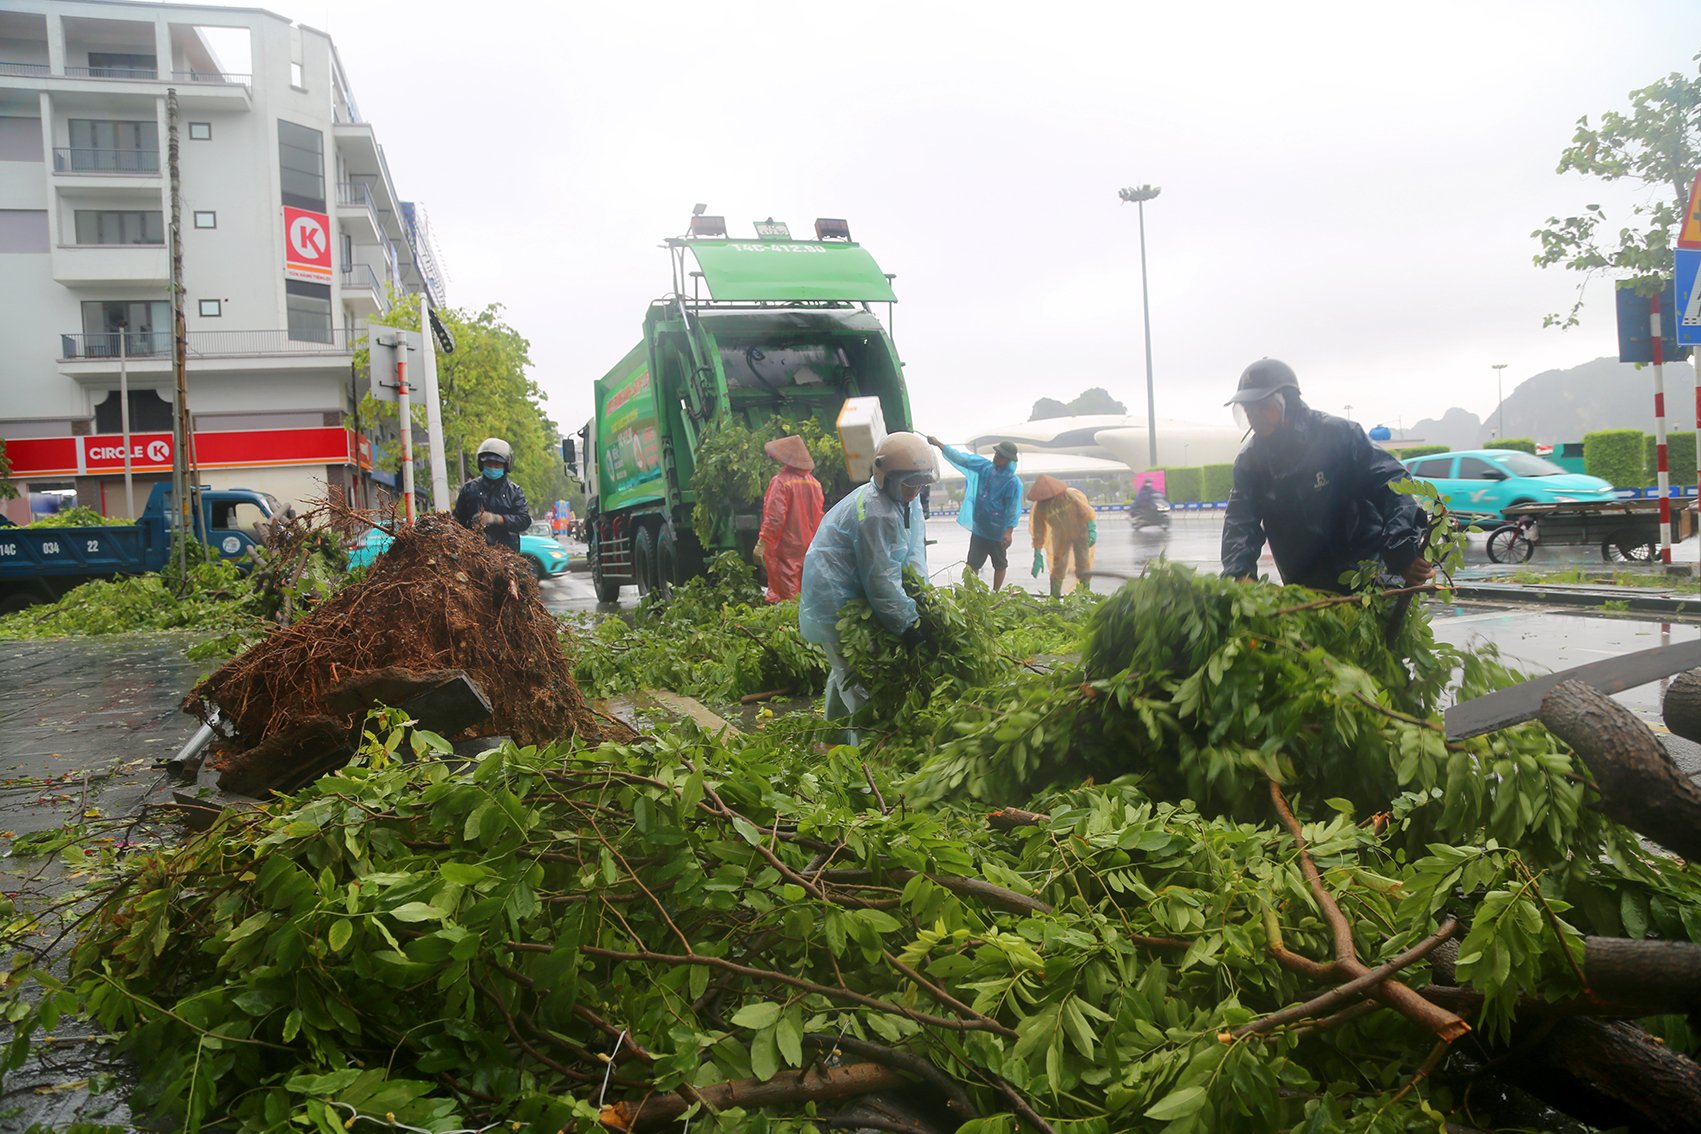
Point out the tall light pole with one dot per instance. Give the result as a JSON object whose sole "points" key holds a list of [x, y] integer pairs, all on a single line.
{"points": [[1499, 409], [1139, 197]]}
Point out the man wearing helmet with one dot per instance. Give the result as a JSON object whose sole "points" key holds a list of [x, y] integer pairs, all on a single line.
{"points": [[860, 551], [491, 502], [1316, 488]]}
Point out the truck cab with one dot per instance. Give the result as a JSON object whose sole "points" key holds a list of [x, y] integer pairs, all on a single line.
{"points": [[42, 564]]}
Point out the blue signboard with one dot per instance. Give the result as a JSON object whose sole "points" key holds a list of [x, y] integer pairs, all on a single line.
{"points": [[1689, 296], [1634, 342]]}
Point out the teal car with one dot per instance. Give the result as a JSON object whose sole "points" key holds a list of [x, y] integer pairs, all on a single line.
{"points": [[548, 558], [1479, 484]]}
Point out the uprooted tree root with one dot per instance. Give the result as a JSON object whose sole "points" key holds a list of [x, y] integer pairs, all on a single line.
{"points": [[439, 598]]}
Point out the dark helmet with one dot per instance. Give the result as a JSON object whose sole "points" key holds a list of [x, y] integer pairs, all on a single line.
{"points": [[1262, 379]]}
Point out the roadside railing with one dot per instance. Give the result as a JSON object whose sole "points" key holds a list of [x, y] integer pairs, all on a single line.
{"points": [[205, 344], [91, 159]]}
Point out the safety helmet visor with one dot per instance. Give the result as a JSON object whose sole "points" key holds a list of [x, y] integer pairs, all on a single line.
{"points": [[1269, 404]]}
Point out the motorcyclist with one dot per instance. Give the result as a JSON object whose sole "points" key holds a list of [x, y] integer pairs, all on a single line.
{"points": [[860, 551], [1316, 488], [491, 502], [791, 511]]}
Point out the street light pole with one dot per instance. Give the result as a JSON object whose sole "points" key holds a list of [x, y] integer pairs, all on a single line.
{"points": [[1500, 407], [1139, 196]]}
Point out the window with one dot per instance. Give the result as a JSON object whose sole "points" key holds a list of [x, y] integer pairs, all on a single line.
{"points": [[120, 226], [200, 131], [309, 307], [146, 324], [298, 76], [123, 65], [1436, 468], [149, 413], [206, 218], [1475, 468], [211, 308], [104, 146], [301, 161]]}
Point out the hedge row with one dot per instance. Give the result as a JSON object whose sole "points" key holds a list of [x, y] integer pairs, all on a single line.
{"points": [[1680, 458], [1615, 455]]}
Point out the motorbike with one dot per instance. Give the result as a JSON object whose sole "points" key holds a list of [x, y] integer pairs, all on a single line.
{"points": [[1151, 512]]}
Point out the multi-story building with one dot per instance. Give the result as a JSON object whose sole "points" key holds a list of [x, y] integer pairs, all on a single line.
{"points": [[293, 237]]}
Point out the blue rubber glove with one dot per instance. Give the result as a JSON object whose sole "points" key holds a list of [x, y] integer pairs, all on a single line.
{"points": [[1092, 532], [1039, 562]]}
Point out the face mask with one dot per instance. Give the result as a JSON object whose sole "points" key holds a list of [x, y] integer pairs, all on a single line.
{"points": [[492, 473]]}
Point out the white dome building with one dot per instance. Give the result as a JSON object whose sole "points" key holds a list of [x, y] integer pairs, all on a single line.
{"points": [[1115, 437]]}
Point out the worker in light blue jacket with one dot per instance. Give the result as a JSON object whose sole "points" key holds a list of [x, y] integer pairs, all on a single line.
{"points": [[860, 551], [992, 503]]}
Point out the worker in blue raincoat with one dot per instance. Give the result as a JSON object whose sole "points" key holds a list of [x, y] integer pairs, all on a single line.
{"points": [[992, 503], [860, 551], [1316, 489]]}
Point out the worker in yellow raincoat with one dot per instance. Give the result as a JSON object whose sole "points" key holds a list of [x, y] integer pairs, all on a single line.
{"points": [[1063, 519]]}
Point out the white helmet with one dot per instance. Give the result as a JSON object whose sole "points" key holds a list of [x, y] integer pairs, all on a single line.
{"points": [[495, 447], [906, 456]]}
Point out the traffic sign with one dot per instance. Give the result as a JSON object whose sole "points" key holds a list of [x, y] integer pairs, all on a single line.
{"points": [[1689, 232], [1689, 296], [1634, 325]]}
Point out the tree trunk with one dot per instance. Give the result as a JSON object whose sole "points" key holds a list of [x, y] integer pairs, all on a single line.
{"points": [[1638, 783], [1627, 979], [1682, 706], [813, 1084], [1609, 1073]]}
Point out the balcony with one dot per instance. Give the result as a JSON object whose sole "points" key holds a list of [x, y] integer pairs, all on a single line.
{"points": [[75, 264], [356, 208], [93, 161], [9, 67], [203, 88], [364, 291], [95, 357]]}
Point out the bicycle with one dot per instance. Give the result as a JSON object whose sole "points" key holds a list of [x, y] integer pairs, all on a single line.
{"points": [[1513, 541]]}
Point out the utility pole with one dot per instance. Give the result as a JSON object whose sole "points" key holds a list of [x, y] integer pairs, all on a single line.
{"points": [[1662, 460], [433, 408], [181, 485]]}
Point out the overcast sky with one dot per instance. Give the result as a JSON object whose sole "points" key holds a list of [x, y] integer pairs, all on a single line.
{"points": [[1350, 187]]}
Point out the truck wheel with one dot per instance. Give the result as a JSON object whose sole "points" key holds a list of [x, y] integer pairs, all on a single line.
{"points": [[644, 560], [667, 562]]}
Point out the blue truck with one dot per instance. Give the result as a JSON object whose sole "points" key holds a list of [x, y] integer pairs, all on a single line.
{"points": [[41, 564]]}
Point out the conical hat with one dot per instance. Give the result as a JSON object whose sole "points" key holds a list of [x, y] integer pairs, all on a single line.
{"points": [[1045, 487], [791, 452]]}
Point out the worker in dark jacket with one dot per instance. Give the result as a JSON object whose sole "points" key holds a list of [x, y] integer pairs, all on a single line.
{"points": [[1317, 489], [491, 502]]}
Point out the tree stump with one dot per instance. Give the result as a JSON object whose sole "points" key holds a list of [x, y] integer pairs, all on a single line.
{"points": [[1682, 705]]}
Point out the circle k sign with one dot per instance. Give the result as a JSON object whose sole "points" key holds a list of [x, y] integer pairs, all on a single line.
{"points": [[307, 245]]}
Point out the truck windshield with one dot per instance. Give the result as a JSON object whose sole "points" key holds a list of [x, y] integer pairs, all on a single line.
{"points": [[750, 366]]}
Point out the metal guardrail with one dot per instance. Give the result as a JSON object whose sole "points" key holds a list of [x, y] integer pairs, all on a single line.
{"points": [[99, 160], [128, 74], [112, 72], [228, 78], [204, 344], [8, 67]]}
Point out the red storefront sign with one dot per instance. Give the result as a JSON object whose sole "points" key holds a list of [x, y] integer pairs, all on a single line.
{"points": [[307, 245], [103, 453], [363, 451]]}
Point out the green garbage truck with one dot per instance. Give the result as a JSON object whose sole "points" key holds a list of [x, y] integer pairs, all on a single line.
{"points": [[787, 329]]}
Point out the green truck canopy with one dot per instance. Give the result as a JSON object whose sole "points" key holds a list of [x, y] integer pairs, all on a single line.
{"points": [[790, 270]]}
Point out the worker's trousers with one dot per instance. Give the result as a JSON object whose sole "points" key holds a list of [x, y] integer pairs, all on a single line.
{"points": [[1078, 550], [845, 693]]}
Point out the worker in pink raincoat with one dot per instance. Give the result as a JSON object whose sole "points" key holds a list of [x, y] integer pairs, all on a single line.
{"points": [[791, 511]]}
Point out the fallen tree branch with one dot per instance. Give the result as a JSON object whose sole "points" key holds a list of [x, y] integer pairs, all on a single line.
{"points": [[813, 1084], [1443, 1024], [957, 1100], [1010, 818], [1340, 994], [1639, 785]]}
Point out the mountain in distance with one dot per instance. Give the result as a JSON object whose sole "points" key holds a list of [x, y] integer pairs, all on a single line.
{"points": [[1562, 405]]}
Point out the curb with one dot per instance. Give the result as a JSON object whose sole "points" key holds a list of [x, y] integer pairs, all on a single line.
{"points": [[1686, 607]]}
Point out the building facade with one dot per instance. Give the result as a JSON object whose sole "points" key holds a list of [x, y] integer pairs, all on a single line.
{"points": [[292, 238]]}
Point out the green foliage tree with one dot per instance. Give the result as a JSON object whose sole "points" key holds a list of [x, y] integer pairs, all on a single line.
{"points": [[8, 491], [1655, 146], [486, 392], [1048, 408], [1615, 455]]}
